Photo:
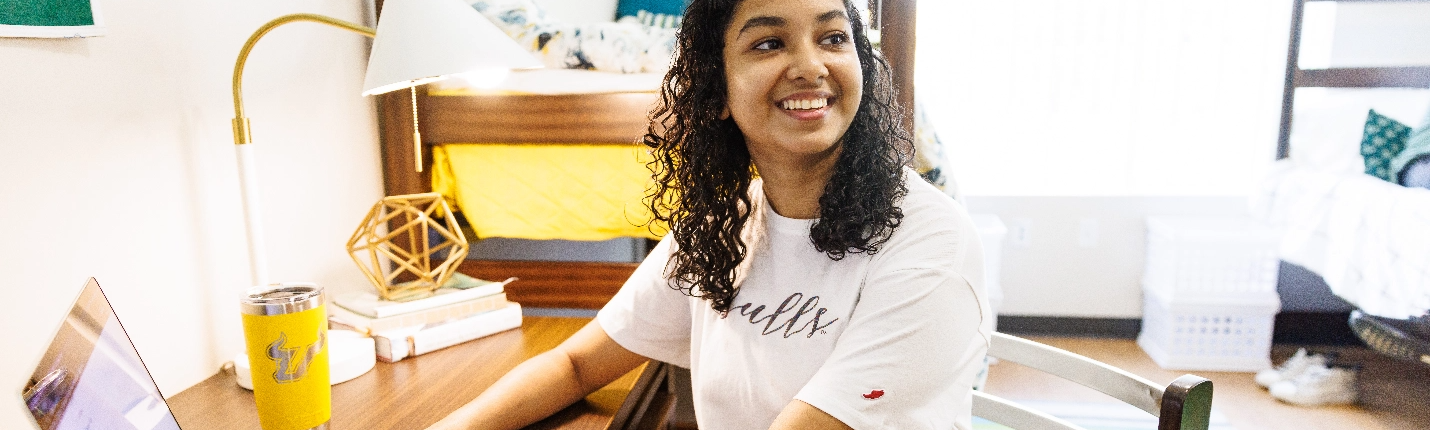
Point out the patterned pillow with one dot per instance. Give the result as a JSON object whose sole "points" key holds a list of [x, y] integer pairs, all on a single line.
{"points": [[1384, 138], [655, 13]]}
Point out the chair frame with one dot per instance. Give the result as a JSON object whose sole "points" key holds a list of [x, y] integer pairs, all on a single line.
{"points": [[1185, 404]]}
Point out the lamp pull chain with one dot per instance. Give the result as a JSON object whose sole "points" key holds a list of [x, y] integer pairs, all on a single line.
{"points": [[416, 135]]}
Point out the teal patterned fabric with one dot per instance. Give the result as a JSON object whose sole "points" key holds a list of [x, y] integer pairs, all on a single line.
{"points": [[655, 13], [1384, 138], [658, 20]]}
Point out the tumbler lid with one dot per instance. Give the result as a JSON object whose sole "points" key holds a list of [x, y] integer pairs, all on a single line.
{"points": [[283, 298]]}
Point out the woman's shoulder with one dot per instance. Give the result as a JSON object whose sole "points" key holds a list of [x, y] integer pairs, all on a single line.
{"points": [[927, 210], [936, 230]]}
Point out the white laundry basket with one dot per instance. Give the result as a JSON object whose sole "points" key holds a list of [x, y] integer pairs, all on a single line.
{"points": [[1212, 335], [1211, 257], [1209, 293]]}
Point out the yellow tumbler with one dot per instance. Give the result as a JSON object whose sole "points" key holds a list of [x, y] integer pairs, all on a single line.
{"points": [[285, 327]]}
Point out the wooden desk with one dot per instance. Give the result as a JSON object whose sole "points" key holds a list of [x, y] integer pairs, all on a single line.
{"points": [[416, 392]]}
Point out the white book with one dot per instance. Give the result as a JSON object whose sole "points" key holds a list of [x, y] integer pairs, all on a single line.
{"points": [[398, 344], [367, 303], [341, 317]]}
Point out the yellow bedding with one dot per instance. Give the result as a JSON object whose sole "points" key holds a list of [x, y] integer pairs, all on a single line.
{"points": [[547, 191]]}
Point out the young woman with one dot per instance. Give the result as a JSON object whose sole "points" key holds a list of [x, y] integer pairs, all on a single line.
{"points": [[809, 280]]}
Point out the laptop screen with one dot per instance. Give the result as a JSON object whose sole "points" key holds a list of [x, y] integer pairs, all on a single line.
{"points": [[91, 377]]}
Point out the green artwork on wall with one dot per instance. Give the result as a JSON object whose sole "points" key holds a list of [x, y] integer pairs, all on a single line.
{"points": [[50, 18], [47, 13]]}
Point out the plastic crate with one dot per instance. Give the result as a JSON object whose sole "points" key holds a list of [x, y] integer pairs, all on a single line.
{"points": [[1212, 335], [1211, 258]]}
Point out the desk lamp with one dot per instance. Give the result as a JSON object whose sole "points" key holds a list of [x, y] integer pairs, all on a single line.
{"points": [[416, 42]]}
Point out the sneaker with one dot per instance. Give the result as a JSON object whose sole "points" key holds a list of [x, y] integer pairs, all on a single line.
{"points": [[1420, 326], [1318, 386], [1291, 368]]}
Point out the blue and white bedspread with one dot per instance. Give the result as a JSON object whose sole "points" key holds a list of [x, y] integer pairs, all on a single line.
{"points": [[1368, 238], [620, 47]]}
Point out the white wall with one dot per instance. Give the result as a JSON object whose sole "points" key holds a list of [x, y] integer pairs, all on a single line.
{"points": [[118, 164], [1054, 270], [1381, 34]]}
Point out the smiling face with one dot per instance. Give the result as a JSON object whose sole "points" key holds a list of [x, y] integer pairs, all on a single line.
{"points": [[793, 79]]}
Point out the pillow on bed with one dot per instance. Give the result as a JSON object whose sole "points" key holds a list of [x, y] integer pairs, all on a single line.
{"points": [[1328, 123], [1383, 139], [655, 13]]}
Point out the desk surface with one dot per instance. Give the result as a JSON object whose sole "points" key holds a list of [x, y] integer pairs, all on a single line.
{"points": [[418, 391]]}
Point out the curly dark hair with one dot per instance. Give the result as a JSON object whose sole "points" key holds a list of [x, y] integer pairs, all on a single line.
{"points": [[702, 168]]}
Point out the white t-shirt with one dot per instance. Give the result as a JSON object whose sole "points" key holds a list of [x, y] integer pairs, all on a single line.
{"points": [[888, 341]]}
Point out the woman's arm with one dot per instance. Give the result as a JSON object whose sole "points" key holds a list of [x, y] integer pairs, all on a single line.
{"points": [[546, 383]]}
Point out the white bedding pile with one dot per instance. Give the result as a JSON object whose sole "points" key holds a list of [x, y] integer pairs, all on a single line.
{"points": [[1368, 238], [594, 56]]}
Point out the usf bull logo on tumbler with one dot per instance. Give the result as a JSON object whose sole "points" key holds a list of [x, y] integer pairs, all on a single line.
{"points": [[285, 328]]}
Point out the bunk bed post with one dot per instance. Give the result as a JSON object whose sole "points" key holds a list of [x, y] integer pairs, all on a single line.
{"points": [[896, 22], [1293, 68]]}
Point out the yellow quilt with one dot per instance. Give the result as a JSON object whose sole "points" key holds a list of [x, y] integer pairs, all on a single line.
{"points": [[547, 191]]}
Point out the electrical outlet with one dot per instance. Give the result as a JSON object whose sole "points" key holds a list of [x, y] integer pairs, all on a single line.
{"points": [[1087, 234], [1019, 232]]}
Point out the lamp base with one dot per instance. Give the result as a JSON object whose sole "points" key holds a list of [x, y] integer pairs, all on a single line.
{"points": [[350, 355]]}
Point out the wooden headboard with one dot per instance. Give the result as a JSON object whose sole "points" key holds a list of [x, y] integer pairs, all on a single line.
{"points": [[572, 119]]}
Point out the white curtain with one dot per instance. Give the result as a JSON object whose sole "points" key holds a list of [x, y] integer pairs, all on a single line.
{"points": [[1104, 97]]}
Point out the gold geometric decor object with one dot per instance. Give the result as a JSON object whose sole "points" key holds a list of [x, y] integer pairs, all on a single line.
{"points": [[407, 249]]}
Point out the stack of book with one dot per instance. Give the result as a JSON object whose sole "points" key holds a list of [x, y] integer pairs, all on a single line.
{"points": [[464, 309]]}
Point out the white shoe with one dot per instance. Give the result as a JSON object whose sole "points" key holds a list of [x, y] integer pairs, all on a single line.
{"points": [[1317, 386], [1291, 368]]}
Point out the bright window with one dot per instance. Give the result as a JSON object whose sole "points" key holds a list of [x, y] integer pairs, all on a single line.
{"points": [[1104, 97]]}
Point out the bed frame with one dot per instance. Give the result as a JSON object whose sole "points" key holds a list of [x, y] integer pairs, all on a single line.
{"points": [[569, 119], [1380, 334], [1349, 77]]}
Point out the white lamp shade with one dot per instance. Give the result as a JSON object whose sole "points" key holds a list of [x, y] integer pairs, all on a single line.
{"points": [[421, 41]]}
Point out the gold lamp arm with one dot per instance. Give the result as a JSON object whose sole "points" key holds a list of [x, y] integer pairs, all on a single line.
{"points": [[247, 174], [240, 123]]}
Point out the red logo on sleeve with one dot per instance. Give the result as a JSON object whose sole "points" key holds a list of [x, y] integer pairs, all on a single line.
{"points": [[874, 394]]}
